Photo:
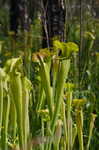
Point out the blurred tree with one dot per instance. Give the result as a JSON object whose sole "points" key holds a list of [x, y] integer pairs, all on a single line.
{"points": [[34, 8], [95, 6], [19, 15], [14, 15], [53, 19]]}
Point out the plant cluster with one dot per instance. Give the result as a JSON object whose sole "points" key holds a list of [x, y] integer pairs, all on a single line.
{"points": [[47, 114]]}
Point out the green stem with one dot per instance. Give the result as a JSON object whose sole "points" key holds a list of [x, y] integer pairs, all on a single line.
{"points": [[61, 78], [1, 102], [79, 122], [42, 130], [25, 105], [64, 123], [74, 135], [93, 117], [13, 117], [4, 133], [40, 97], [16, 89], [58, 134], [44, 71], [69, 121]]}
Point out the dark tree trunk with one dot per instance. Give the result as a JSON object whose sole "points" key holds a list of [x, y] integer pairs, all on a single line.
{"points": [[19, 15], [14, 15], [34, 7], [53, 21]]}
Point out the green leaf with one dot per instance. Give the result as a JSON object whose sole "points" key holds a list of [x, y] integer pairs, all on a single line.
{"points": [[89, 35], [66, 48]]}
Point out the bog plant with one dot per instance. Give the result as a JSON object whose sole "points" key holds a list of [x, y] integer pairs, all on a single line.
{"points": [[15, 94], [48, 107]]}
